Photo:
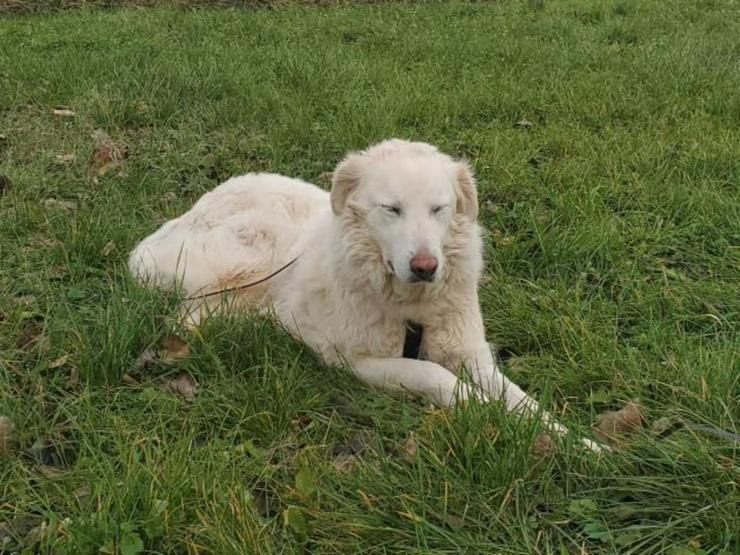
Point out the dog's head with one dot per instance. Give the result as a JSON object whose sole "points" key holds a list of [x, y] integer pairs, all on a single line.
{"points": [[408, 197]]}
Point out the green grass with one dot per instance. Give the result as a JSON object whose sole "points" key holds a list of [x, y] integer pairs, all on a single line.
{"points": [[613, 256]]}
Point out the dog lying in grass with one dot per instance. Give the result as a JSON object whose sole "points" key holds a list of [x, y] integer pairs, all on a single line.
{"points": [[394, 247]]}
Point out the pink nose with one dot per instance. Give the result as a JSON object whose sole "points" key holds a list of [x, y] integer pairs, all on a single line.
{"points": [[423, 266]]}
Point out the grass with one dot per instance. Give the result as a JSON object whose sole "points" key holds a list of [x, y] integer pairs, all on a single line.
{"points": [[612, 256]]}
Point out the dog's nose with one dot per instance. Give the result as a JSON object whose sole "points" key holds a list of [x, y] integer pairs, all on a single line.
{"points": [[423, 266]]}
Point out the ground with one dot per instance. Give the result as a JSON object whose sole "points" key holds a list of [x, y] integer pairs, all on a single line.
{"points": [[605, 140]]}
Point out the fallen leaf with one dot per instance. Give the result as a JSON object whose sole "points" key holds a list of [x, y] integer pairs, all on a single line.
{"points": [[58, 363], [8, 436], [182, 385], [52, 455], [146, 358], [345, 462], [170, 349], [73, 380], [65, 159], [615, 425], [173, 348], [108, 157], [523, 124], [13, 532], [665, 426], [62, 112], [5, 184], [32, 334], [128, 379], [410, 447], [265, 501], [109, 247], [40, 533], [82, 494], [543, 446], [353, 446]]}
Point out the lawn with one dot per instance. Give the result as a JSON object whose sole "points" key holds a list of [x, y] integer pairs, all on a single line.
{"points": [[605, 139]]}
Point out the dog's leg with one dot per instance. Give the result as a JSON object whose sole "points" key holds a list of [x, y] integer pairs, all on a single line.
{"points": [[420, 377], [487, 375]]}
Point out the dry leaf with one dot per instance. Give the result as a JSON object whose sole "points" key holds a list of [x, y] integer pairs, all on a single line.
{"points": [[5, 184], [13, 532], [53, 456], [74, 377], [523, 124], [128, 379], [61, 361], [82, 494], [62, 112], [345, 463], [182, 385], [148, 357], [410, 447], [614, 425], [108, 248], [108, 157], [173, 348], [543, 446], [8, 436], [65, 159], [33, 330]]}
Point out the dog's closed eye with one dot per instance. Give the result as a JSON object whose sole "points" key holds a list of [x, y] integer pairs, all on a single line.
{"points": [[436, 209], [392, 208]]}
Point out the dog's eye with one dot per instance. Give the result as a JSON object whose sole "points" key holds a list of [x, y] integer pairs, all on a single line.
{"points": [[392, 208], [438, 208]]}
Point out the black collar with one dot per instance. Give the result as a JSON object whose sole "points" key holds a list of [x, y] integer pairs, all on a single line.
{"points": [[412, 342]]}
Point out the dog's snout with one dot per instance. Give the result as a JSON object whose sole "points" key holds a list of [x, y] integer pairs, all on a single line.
{"points": [[423, 266]]}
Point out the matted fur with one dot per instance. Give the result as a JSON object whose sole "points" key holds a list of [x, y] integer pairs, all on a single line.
{"points": [[351, 292]]}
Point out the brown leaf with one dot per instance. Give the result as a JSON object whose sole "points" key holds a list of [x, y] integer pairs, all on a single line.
{"points": [[108, 157], [33, 330], [13, 532], [109, 247], [345, 463], [543, 446], [53, 455], [128, 379], [410, 447], [146, 358], [182, 385], [82, 494], [173, 348], [73, 380], [58, 363], [615, 425], [170, 349], [62, 112], [8, 436], [5, 184]]}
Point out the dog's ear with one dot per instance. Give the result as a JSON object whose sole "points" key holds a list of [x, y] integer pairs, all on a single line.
{"points": [[465, 189], [345, 179]]}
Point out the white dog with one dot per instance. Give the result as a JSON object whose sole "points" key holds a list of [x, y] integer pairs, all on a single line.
{"points": [[395, 244]]}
